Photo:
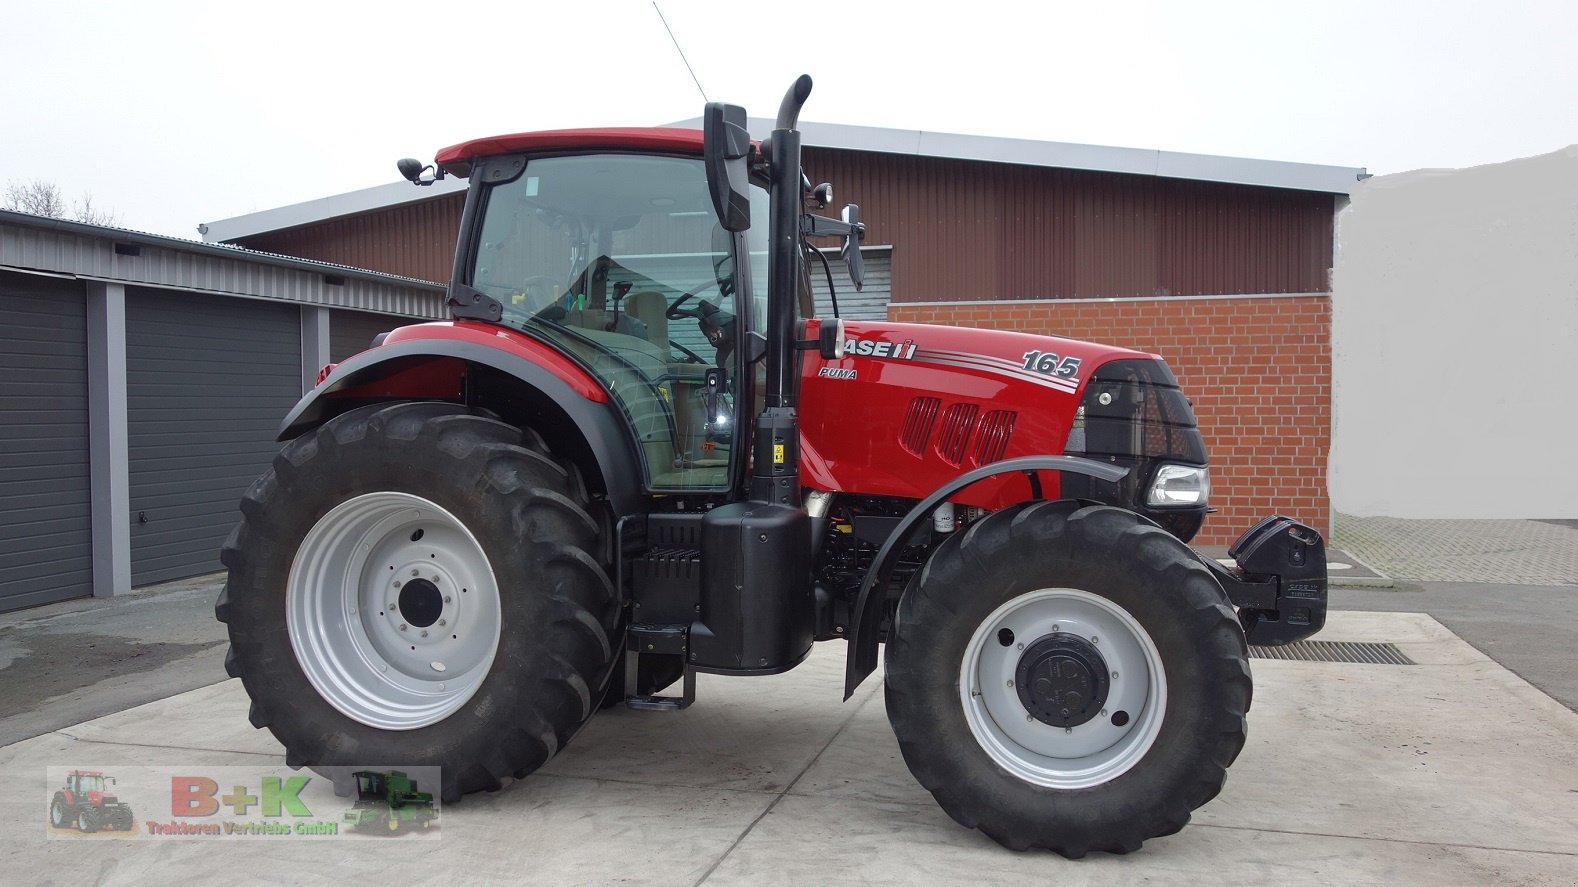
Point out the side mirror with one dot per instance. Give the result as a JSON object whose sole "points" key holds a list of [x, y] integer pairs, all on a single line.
{"points": [[410, 168], [416, 172], [726, 151], [850, 251], [830, 338]]}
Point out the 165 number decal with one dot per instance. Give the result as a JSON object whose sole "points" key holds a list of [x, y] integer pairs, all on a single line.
{"points": [[1050, 364]]}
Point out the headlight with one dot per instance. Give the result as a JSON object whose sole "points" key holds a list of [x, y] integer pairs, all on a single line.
{"points": [[1179, 485]]}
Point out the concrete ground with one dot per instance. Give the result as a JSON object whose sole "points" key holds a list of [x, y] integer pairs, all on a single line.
{"points": [[1452, 771], [1506, 586], [1456, 770], [78, 660], [1523, 552]]}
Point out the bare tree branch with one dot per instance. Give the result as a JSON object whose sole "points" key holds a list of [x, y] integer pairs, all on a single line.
{"points": [[43, 198], [85, 211], [38, 197]]}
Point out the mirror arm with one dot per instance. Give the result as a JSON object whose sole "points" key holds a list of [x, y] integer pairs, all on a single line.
{"points": [[822, 226]]}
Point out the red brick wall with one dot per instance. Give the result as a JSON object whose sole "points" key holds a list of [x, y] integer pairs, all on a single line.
{"points": [[1257, 369]]}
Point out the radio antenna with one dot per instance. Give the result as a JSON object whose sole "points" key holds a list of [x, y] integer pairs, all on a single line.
{"points": [[681, 52]]}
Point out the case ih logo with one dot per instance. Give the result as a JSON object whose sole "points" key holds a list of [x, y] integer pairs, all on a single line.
{"points": [[904, 350]]}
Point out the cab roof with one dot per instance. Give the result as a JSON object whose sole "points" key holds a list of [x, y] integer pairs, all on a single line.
{"points": [[457, 159]]}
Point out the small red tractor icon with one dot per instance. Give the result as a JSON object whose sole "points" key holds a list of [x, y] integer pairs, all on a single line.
{"points": [[84, 804]]}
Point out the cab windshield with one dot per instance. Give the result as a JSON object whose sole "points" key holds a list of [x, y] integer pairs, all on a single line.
{"points": [[619, 259]]}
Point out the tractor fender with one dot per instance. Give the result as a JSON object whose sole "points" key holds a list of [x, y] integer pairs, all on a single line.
{"points": [[867, 612], [583, 402]]}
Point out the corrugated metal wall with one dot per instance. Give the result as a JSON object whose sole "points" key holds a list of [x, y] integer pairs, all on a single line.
{"points": [[352, 332], [412, 240], [966, 230], [45, 502], [871, 302], [207, 382]]}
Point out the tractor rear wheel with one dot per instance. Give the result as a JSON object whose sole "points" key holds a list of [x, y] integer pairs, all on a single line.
{"points": [[1067, 678], [414, 584], [59, 812]]}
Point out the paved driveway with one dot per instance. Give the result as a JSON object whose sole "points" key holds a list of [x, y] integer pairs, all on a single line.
{"points": [[1452, 771]]}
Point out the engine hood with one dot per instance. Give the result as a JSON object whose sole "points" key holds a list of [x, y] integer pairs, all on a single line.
{"points": [[911, 405], [1050, 361]]}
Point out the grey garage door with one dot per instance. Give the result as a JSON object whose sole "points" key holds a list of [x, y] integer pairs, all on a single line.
{"points": [[352, 332], [871, 303], [208, 381], [45, 509]]}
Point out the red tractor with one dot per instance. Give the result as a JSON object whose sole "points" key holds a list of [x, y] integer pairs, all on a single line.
{"points": [[637, 453], [83, 803]]}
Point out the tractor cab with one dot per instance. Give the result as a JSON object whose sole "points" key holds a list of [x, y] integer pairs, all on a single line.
{"points": [[619, 259], [83, 783]]}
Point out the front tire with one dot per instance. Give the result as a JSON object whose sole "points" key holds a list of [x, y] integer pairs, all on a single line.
{"points": [[1067, 678], [413, 584]]}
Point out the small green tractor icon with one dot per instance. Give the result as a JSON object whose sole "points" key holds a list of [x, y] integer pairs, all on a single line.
{"points": [[389, 802], [84, 803]]}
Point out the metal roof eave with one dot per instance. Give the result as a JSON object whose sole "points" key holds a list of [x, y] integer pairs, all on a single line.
{"points": [[325, 208], [988, 149], [127, 235], [37, 244], [1068, 155]]}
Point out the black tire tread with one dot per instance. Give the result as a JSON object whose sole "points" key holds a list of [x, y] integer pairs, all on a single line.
{"points": [[551, 516], [1066, 539]]}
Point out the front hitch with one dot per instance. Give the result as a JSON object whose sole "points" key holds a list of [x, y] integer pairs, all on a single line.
{"points": [[1279, 585]]}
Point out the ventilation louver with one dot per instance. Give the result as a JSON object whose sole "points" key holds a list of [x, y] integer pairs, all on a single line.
{"points": [[953, 434], [917, 424], [991, 440]]}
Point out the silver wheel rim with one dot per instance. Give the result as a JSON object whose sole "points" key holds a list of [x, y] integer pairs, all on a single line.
{"points": [[365, 575], [57, 814], [1086, 755]]}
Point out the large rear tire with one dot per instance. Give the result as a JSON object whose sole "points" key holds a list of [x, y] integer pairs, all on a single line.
{"points": [[415, 585], [1067, 678], [60, 813]]}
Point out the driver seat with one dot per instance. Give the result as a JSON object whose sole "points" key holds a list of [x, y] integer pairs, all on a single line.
{"points": [[648, 307]]}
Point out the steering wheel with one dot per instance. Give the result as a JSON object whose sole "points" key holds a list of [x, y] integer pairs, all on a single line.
{"points": [[713, 321], [674, 312], [693, 356]]}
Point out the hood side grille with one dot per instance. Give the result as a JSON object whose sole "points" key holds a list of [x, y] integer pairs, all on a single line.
{"points": [[917, 425], [954, 434], [991, 440]]}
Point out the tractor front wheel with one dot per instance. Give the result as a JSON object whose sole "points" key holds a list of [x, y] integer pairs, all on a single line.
{"points": [[415, 584], [1068, 678]]}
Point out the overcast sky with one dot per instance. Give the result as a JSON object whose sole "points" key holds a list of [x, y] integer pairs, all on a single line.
{"points": [[175, 113]]}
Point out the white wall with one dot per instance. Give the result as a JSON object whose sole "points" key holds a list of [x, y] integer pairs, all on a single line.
{"points": [[1455, 343]]}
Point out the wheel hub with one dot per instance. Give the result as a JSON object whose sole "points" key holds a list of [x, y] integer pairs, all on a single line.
{"points": [[393, 610], [1015, 692], [421, 603], [1062, 680]]}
